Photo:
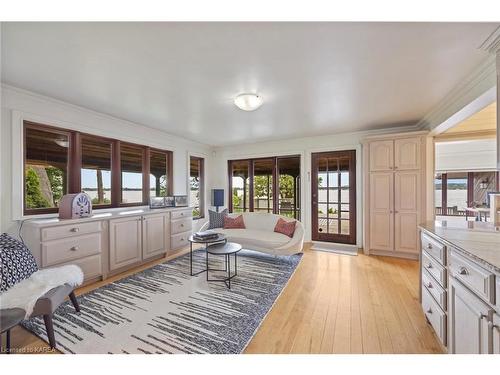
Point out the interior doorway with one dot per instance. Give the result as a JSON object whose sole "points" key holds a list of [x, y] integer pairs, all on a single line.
{"points": [[333, 186]]}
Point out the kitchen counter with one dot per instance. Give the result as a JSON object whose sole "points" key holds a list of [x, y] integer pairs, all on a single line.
{"points": [[479, 240]]}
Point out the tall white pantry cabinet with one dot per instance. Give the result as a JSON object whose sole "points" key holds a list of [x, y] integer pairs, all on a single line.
{"points": [[394, 193]]}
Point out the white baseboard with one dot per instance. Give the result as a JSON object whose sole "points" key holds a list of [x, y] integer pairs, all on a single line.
{"points": [[338, 248]]}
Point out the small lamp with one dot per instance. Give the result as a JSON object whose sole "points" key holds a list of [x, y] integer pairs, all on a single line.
{"points": [[217, 198]]}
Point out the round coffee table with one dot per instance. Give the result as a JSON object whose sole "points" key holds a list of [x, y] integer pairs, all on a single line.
{"points": [[226, 249], [221, 238]]}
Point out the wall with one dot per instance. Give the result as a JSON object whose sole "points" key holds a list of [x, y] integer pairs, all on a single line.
{"points": [[19, 104], [470, 155], [303, 147]]}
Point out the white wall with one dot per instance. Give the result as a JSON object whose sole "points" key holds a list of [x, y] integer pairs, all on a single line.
{"points": [[303, 147], [470, 155], [19, 104]]}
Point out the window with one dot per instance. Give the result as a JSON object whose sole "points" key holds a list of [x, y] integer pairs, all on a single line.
{"points": [[265, 185], [240, 186], [263, 171], [46, 163], [112, 173], [158, 174], [131, 161], [196, 186], [96, 170], [289, 187]]}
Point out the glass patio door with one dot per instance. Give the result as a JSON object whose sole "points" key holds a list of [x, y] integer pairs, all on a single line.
{"points": [[333, 183]]}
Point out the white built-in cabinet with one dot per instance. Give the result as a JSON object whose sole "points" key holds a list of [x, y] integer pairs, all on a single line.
{"points": [[108, 243], [395, 193], [137, 238]]}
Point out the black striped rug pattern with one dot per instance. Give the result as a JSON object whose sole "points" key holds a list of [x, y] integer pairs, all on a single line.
{"points": [[165, 310]]}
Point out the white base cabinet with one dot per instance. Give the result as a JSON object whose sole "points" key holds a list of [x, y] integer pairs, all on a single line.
{"points": [[470, 317], [496, 333], [108, 243], [125, 242], [155, 235], [137, 238], [458, 298]]}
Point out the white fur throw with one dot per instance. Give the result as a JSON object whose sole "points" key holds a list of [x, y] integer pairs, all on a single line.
{"points": [[25, 293]]}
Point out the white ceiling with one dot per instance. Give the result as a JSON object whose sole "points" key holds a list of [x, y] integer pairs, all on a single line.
{"points": [[316, 78]]}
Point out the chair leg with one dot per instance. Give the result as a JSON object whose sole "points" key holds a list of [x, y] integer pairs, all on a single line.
{"points": [[74, 301], [50, 330]]}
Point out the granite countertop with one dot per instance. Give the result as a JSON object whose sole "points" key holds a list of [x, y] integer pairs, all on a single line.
{"points": [[479, 240], [102, 215]]}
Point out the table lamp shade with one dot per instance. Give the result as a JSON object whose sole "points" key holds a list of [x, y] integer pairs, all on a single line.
{"points": [[217, 197]]}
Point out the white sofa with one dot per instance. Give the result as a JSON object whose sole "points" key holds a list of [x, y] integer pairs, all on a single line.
{"points": [[259, 234]]}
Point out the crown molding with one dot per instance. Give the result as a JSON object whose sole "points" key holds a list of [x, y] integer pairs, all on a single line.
{"points": [[481, 79], [492, 42]]}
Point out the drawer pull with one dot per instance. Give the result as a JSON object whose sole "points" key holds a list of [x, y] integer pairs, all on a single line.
{"points": [[429, 246], [429, 285], [429, 266], [182, 225], [74, 230], [182, 213], [429, 311], [182, 239], [463, 271], [74, 248]]}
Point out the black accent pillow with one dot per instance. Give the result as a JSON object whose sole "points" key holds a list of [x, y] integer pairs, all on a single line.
{"points": [[16, 262], [216, 219]]}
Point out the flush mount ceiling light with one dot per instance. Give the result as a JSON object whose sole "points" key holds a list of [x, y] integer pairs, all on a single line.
{"points": [[248, 102]]}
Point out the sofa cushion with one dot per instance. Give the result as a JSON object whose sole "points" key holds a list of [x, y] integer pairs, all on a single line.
{"points": [[285, 227], [216, 219], [16, 262], [260, 238], [234, 222]]}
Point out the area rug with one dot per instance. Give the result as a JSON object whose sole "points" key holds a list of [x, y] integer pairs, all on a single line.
{"points": [[165, 310]]}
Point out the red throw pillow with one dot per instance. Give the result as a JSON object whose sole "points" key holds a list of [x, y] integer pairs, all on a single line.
{"points": [[285, 227], [234, 222]]}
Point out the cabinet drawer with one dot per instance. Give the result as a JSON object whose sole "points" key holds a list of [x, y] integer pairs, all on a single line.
{"points": [[91, 266], [435, 315], [60, 251], [179, 240], [181, 214], [181, 225], [434, 268], [434, 289], [434, 248], [63, 231], [473, 276]]}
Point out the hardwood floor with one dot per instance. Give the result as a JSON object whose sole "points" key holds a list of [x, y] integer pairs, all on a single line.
{"points": [[333, 304]]}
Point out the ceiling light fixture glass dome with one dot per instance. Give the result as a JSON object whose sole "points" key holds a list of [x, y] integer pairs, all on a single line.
{"points": [[248, 102]]}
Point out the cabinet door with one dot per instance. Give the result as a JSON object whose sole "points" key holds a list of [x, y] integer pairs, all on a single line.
{"points": [[381, 156], [468, 321], [407, 153], [496, 334], [381, 211], [154, 235], [406, 210], [125, 242]]}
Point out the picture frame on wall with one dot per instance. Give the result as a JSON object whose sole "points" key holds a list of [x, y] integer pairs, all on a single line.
{"points": [[169, 202], [181, 200]]}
